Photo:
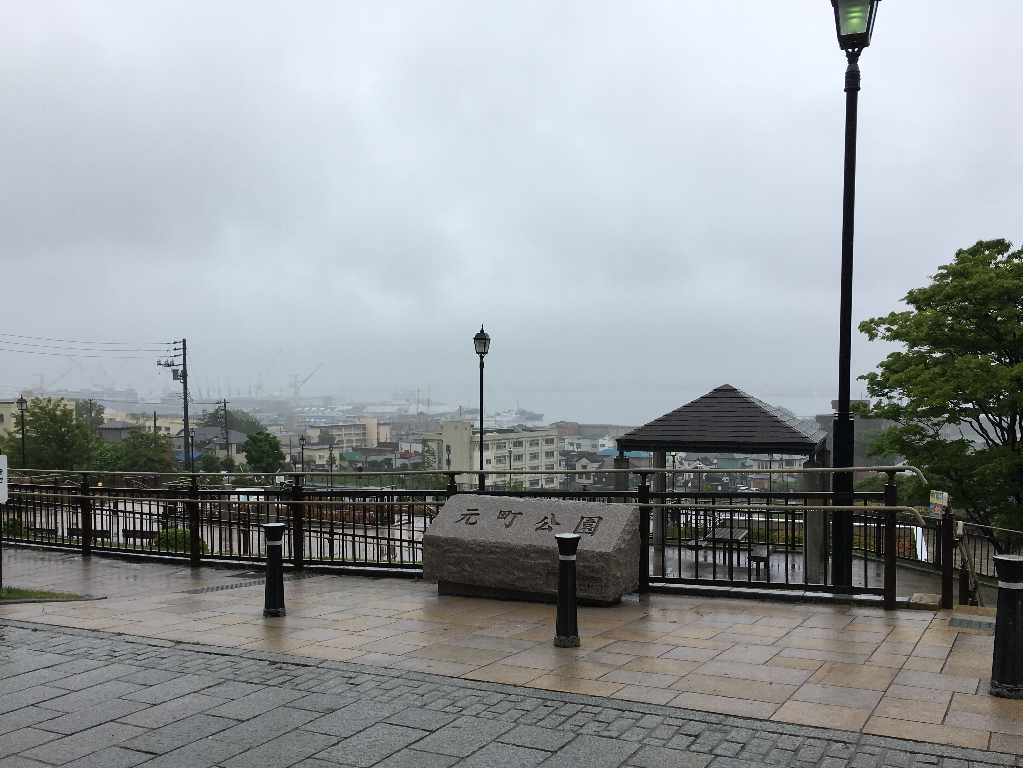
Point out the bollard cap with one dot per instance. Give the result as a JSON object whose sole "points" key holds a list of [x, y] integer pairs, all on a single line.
{"points": [[1009, 568], [274, 532], [568, 543]]}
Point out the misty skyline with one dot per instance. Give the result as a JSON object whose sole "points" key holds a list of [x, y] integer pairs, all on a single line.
{"points": [[640, 202]]}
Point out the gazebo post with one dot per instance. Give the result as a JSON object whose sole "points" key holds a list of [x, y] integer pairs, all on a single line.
{"points": [[621, 478], [814, 526], [657, 529]]}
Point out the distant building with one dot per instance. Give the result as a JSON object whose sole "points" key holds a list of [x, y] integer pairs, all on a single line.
{"points": [[364, 432], [522, 448]]}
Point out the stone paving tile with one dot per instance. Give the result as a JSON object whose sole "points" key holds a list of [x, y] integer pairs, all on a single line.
{"points": [[94, 696], [68, 748], [415, 703], [538, 738], [464, 736], [178, 733], [255, 703], [593, 752], [282, 752], [353, 718], [24, 717], [171, 711], [23, 739], [29, 696], [406, 758], [201, 753], [267, 726], [497, 755], [110, 757], [45, 675], [91, 716], [372, 745], [171, 689], [660, 757]]}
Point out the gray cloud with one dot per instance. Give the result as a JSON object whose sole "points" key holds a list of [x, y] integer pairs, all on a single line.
{"points": [[641, 201]]}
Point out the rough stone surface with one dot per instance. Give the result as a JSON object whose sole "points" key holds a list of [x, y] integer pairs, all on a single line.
{"points": [[505, 545], [387, 718]]}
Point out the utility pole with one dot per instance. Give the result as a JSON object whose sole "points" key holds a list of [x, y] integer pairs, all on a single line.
{"points": [[181, 374], [154, 422], [227, 434]]}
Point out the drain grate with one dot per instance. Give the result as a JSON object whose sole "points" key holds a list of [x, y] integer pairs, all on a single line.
{"points": [[243, 584]]}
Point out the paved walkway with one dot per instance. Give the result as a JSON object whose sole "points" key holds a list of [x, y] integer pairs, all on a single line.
{"points": [[906, 674], [83, 698]]}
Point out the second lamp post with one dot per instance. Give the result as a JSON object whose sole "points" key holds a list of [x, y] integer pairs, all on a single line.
{"points": [[481, 341], [854, 25]]}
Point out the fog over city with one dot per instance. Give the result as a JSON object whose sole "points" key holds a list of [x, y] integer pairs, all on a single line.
{"points": [[640, 201]]}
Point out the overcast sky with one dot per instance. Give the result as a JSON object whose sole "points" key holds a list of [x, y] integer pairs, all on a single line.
{"points": [[641, 200]]}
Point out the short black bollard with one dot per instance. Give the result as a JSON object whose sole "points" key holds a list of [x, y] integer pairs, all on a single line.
{"points": [[1007, 664], [566, 633], [273, 604]]}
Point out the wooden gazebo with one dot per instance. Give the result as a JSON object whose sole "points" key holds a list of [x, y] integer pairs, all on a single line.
{"points": [[725, 420]]}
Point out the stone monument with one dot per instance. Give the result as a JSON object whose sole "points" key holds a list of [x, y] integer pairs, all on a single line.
{"points": [[504, 547]]}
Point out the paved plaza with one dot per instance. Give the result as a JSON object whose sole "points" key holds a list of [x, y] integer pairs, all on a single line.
{"points": [[178, 667]]}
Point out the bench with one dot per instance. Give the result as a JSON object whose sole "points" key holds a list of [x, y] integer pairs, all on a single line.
{"points": [[37, 531], [76, 533], [139, 535]]}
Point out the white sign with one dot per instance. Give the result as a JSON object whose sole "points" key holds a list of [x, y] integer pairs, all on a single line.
{"points": [[3, 479]]}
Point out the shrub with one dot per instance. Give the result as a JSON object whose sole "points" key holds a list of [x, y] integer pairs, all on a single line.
{"points": [[176, 540]]}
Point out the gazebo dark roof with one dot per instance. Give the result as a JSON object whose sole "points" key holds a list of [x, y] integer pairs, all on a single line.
{"points": [[725, 420]]}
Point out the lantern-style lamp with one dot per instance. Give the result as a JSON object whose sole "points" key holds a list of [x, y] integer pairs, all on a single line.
{"points": [[854, 22]]}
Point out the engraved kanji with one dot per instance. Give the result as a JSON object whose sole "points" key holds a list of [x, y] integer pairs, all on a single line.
{"points": [[469, 517], [588, 525], [509, 516], [547, 523]]}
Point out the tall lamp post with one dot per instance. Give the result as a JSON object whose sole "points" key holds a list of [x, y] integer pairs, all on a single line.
{"points": [[481, 341], [301, 450], [330, 464], [854, 25], [22, 407]]}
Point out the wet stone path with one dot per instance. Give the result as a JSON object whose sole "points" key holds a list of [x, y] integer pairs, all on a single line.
{"points": [[87, 698]]}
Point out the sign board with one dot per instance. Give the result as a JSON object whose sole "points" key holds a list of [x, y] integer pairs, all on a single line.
{"points": [[3, 479], [504, 546], [939, 502]]}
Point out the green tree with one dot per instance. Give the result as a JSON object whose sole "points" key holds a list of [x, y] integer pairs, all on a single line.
{"points": [[263, 452], [54, 438], [238, 420], [146, 452], [954, 388], [90, 412], [209, 462]]}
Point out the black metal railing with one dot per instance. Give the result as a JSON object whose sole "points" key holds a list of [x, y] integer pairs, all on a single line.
{"points": [[767, 539]]}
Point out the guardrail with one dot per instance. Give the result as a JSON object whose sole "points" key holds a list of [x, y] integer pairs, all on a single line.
{"points": [[376, 520]]}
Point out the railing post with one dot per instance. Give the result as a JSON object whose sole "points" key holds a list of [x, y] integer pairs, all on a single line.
{"points": [[194, 526], [891, 532], [644, 533], [297, 524], [947, 558], [85, 524]]}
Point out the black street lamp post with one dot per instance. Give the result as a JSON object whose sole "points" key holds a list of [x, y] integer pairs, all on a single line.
{"points": [[854, 25], [330, 464], [22, 407], [301, 450], [481, 341]]}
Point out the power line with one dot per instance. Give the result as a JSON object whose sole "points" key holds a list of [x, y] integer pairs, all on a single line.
{"points": [[82, 341], [72, 354], [59, 348]]}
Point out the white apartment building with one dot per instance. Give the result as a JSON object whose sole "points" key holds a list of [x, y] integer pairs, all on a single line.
{"points": [[457, 446], [364, 432]]}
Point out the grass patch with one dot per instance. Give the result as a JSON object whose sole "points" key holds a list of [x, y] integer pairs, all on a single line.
{"points": [[17, 593]]}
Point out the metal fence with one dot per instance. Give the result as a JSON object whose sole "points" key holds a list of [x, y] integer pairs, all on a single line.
{"points": [[377, 520]]}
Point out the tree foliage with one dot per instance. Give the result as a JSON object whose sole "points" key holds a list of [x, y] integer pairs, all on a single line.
{"points": [[140, 451], [954, 388], [90, 412], [263, 452], [237, 419], [54, 438]]}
